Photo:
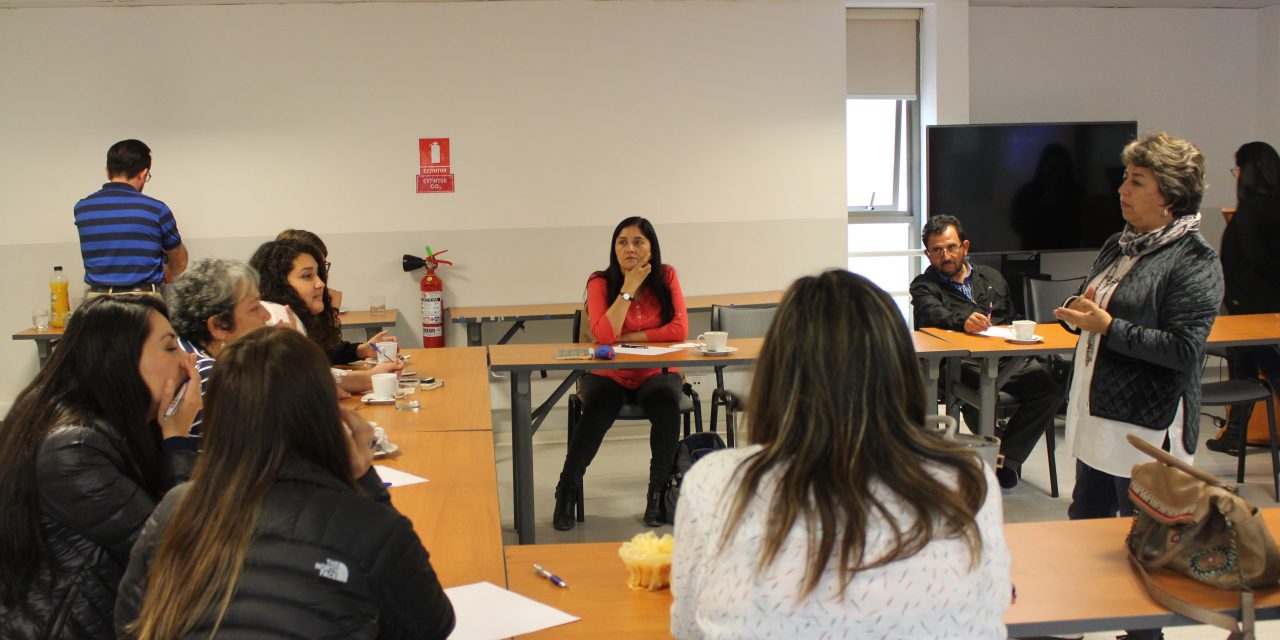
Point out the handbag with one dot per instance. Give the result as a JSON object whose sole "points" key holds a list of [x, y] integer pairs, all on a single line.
{"points": [[1189, 522], [688, 451]]}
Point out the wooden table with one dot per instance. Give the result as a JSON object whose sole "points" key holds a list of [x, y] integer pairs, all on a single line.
{"points": [[597, 592], [44, 341], [372, 324], [990, 350], [933, 351], [476, 317], [1245, 330], [456, 513], [522, 360], [462, 404], [1071, 576]]}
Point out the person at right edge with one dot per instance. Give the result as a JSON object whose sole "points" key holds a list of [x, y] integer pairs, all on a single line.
{"points": [[1148, 304], [1249, 274], [953, 293]]}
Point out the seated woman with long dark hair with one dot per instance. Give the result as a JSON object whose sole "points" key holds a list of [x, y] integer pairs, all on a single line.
{"points": [[285, 529], [86, 452], [291, 276], [846, 516], [636, 298]]}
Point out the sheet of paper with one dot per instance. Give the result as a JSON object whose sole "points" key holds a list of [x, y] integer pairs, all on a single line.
{"points": [[998, 332], [397, 478], [644, 350], [475, 604]]}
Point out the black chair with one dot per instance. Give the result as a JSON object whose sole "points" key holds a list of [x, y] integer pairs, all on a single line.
{"points": [[1237, 393], [739, 322], [690, 406]]}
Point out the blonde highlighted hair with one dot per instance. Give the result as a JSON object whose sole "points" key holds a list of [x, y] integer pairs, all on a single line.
{"points": [[1178, 165]]}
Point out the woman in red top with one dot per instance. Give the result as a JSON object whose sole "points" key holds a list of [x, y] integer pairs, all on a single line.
{"points": [[636, 299]]}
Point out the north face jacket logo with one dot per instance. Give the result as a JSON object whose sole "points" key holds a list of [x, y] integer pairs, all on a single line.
{"points": [[333, 570]]}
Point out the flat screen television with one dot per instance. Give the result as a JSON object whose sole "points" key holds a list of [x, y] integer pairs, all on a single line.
{"points": [[1020, 188]]}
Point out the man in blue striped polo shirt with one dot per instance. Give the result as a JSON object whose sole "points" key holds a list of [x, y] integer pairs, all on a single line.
{"points": [[129, 241]]}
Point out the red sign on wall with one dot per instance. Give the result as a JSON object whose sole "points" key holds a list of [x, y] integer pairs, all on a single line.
{"points": [[434, 175]]}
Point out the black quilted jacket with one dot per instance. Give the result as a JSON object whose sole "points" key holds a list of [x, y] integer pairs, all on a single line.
{"points": [[325, 562], [1151, 356], [92, 508]]}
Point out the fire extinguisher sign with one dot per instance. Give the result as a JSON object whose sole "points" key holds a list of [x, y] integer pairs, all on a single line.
{"points": [[434, 173]]}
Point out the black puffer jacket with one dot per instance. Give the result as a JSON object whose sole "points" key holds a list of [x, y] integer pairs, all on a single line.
{"points": [[1151, 356], [93, 506], [325, 562]]}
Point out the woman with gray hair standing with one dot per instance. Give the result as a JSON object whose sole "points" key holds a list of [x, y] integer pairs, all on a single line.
{"points": [[1149, 302], [212, 304]]}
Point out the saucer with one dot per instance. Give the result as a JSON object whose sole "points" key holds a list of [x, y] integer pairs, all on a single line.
{"points": [[722, 352], [369, 399], [1033, 340]]}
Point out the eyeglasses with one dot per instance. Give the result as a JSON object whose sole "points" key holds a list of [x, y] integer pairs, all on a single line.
{"points": [[327, 265], [148, 176], [1235, 172], [938, 252]]}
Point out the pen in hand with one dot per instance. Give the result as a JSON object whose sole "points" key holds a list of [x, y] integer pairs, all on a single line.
{"points": [[550, 576]]}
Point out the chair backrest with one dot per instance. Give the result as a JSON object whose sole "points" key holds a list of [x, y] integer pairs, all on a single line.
{"points": [[1043, 296], [742, 322], [582, 327]]}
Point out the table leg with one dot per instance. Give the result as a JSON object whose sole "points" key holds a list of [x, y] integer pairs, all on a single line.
{"points": [[44, 348], [932, 371], [475, 331], [370, 332], [522, 454], [987, 396]]}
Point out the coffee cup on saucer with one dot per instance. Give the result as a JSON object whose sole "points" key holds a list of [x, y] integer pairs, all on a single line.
{"points": [[714, 340], [385, 386], [1024, 329]]}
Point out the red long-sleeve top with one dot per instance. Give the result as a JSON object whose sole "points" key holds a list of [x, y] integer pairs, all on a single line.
{"points": [[645, 314]]}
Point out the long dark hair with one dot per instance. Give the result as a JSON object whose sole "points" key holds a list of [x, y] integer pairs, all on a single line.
{"points": [[273, 262], [657, 280], [837, 403], [93, 375], [1259, 170], [270, 398]]}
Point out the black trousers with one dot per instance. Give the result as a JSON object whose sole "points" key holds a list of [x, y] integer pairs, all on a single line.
{"points": [[602, 399], [1039, 398], [1098, 494]]}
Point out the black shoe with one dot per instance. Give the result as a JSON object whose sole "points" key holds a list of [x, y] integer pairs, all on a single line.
{"points": [[566, 498], [1229, 443], [1007, 477], [654, 509]]}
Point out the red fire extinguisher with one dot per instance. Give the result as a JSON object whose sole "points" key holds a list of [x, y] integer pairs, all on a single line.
{"points": [[431, 296]]}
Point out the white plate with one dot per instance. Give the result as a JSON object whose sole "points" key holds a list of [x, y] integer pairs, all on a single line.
{"points": [[723, 352], [1033, 340], [369, 399], [404, 357]]}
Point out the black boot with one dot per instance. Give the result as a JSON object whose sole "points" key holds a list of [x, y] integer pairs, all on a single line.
{"points": [[655, 511], [1228, 442], [566, 499]]}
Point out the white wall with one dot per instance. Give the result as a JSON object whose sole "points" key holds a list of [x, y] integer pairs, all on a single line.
{"points": [[1194, 73], [720, 121]]}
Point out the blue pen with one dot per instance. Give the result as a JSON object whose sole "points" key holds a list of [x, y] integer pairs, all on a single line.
{"points": [[550, 576]]}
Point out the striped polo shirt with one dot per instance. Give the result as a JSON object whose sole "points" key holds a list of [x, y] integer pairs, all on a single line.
{"points": [[123, 236]]}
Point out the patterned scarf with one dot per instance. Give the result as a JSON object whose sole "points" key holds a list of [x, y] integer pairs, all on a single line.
{"points": [[1135, 244]]}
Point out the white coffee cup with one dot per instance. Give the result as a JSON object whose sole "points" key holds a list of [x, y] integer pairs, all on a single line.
{"points": [[387, 351], [714, 340], [385, 385], [1024, 329]]}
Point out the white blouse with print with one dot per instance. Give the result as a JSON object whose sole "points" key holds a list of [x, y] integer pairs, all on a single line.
{"points": [[721, 593]]}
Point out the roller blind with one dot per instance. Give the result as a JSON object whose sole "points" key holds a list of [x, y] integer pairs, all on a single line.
{"points": [[881, 52]]}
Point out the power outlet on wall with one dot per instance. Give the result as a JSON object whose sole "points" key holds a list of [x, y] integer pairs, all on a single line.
{"points": [[699, 383]]}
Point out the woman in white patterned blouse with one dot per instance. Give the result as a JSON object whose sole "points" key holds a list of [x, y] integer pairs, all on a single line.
{"points": [[846, 517]]}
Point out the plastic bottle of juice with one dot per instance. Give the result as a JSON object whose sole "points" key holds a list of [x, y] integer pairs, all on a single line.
{"points": [[59, 305]]}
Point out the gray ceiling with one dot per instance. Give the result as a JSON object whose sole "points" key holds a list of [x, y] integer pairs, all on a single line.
{"points": [[1185, 4]]}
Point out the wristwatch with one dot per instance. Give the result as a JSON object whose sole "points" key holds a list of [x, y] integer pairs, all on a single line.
{"points": [[626, 296]]}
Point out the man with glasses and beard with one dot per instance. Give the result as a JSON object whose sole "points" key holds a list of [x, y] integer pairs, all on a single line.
{"points": [[955, 294]]}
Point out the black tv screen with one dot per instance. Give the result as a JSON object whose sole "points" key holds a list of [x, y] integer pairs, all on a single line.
{"points": [[1029, 187]]}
